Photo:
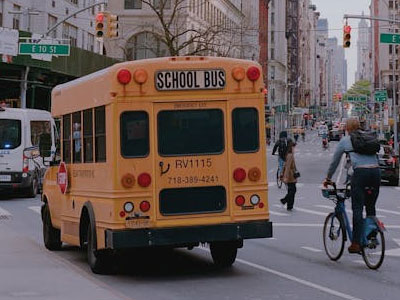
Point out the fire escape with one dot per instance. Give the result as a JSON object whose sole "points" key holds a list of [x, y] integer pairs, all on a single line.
{"points": [[292, 36]]}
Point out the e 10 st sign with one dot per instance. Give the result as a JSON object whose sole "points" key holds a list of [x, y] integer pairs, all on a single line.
{"points": [[390, 38], [32, 48]]}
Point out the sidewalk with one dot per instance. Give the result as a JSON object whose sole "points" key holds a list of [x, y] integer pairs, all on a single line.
{"points": [[29, 271]]}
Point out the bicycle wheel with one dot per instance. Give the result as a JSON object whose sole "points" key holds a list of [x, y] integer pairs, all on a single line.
{"points": [[278, 179], [374, 252], [333, 236]]}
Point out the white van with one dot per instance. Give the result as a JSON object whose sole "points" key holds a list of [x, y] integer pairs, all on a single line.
{"points": [[23, 132]]}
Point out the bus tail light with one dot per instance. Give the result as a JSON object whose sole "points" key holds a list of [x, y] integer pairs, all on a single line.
{"points": [[25, 167], [128, 180], [124, 76], [144, 206], [254, 174], [253, 73], [122, 214], [238, 73], [128, 207], [255, 199], [140, 76], [261, 205], [239, 175], [240, 200], [144, 179]]}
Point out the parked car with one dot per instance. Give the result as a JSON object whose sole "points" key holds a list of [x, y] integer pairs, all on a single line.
{"points": [[24, 134], [389, 165]]}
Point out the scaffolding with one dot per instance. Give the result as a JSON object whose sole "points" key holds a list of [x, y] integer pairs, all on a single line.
{"points": [[292, 36]]}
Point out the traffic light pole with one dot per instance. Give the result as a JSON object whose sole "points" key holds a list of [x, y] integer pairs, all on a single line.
{"points": [[395, 117]]}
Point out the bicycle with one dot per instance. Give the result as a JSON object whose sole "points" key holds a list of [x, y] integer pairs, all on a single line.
{"points": [[279, 171], [337, 228]]}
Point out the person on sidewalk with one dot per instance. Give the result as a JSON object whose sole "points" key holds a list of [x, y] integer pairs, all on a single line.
{"points": [[288, 177]]}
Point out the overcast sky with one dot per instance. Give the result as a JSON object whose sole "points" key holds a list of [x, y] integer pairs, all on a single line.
{"points": [[333, 10]]}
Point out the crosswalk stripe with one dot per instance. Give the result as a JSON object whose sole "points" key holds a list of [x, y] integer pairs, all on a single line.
{"points": [[313, 212], [388, 211], [4, 214], [36, 209], [349, 211], [277, 213], [311, 249]]}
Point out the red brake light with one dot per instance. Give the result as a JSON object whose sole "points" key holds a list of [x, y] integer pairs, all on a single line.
{"points": [[25, 168], [144, 206], [144, 179], [122, 214], [124, 76], [253, 73], [239, 175], [240, 200]]}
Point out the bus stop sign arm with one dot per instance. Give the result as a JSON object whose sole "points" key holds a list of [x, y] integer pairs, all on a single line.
{"points": [[70, 16]]}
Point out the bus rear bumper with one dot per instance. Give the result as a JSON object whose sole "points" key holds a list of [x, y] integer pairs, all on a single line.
{"points": [[178, 236]]}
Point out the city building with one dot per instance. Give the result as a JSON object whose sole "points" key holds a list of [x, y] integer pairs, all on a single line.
{"points": [[201, 27], [364, 52], [27, 80]]}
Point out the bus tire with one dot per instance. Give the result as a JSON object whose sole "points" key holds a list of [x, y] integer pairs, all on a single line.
{"points": [[98, 260], [51, 235], [224, 253]]}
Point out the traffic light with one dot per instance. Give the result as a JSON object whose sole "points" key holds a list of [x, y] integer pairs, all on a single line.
{"points": [[100, 18], [346, 36], [112, 26]]}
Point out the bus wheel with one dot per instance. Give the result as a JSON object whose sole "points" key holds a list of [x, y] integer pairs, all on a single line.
{"points": [[51, 235], [98, 260], [224, 253]]}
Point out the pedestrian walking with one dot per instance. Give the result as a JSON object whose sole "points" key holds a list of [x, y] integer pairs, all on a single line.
{"points": [[290, 175]]}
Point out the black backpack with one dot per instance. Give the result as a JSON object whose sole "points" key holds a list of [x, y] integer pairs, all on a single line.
{"points": [[282, 148], [364, 142]]}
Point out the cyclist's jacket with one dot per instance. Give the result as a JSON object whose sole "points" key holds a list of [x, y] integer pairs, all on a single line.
{"points": [[281, 146], [357, 159]]}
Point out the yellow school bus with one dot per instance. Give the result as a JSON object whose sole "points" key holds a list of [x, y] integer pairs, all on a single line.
{"points": [[160, 152]]}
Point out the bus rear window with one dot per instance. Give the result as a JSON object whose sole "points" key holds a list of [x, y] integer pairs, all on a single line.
{"points": [[10, 133], [188, 132], [245, 129], [134, 134]]}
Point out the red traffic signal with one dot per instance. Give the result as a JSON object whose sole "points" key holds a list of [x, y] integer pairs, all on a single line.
{"points": [[100, 25], [346, 36], [347, 29]]}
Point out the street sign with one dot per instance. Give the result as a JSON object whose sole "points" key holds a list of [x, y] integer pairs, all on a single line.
{"points": [[380, 96], [53, 49], [390, 38], [360, 98], [62, 177]]}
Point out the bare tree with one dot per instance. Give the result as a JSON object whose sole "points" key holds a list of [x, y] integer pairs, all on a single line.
{"points": [[176, 34]]}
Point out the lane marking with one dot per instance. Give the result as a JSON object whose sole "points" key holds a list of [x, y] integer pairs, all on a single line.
{"points": [[5, 214], [277, 213], [36, 209], [348, 211], [397, 188], [309, 211], [293, 278], [311, 249], [319, 225], [388, 211], [271, 171], [395, 251]]}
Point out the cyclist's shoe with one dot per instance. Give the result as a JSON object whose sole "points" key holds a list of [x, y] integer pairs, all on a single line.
{"points": [[283, 201], [354, 248]]}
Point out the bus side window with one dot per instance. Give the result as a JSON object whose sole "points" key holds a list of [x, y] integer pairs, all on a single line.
{"points": [[66, 126], [56, 129], [100, 134], [245, 129], [77, 137], [88, 136]]}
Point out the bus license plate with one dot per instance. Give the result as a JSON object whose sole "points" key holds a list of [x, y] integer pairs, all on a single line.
{"points": [[5, 178], [138, 223]]}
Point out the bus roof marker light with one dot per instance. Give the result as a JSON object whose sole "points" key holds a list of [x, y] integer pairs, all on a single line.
{"points": [[239, 174], [140, 76], [144, 179], [238, 73], [253, 73], [124, 76]]}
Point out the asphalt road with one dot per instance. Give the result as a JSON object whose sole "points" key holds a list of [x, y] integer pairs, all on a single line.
{"points": [[292, 265]]}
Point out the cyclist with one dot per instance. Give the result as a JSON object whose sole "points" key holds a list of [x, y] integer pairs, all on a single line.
{"points": [[282, 146], [366, 174]]}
